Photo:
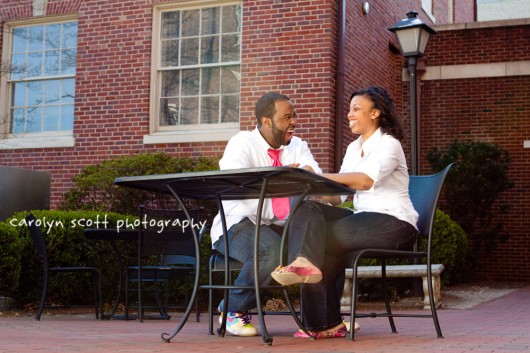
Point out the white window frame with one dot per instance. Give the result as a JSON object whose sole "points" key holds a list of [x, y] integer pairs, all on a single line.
{"points": [[182, 133], [50, 139]]}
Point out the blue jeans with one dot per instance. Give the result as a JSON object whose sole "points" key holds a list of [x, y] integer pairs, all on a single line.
{"points": [[316, 226], [241, 242]]}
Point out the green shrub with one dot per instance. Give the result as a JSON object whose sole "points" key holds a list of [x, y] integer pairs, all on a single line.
{"points": [[67, 245], [94, 187], [471, 189], [449, 247], [10, 255]]}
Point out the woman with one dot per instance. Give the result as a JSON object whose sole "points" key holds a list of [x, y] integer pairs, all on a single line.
{"points": [[384, 218]]}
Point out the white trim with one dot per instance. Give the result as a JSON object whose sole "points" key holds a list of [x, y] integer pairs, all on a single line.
{"points": [[39, 7], [452, 72], [526, 144], [426, 6], [187, 136], [37, 142]]}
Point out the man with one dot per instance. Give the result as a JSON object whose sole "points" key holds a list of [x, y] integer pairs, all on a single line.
{"points": [[276, 121]]}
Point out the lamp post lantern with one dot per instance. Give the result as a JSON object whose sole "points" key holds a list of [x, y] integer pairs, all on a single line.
{"points": [[413, 36]]}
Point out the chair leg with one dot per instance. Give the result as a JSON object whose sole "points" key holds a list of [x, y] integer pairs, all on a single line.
{"points": [[432, 302], [210, 302], [43, 295], [100, 304], [353, 307], [97, 293], [387, 297], [127, 298], [197, 313]]}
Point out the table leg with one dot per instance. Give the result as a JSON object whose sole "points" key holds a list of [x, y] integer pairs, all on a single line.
{"points": [[166, 337]]}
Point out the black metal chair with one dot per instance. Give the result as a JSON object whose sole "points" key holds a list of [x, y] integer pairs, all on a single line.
{"points": [[424, 192], [217, 264], [166, 253], [40, 245]]}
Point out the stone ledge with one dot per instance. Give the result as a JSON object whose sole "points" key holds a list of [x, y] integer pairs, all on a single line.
{"points": [[395, 271]]}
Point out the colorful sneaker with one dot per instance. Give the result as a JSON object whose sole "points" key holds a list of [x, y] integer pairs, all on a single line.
{"points": [[239, 324]]}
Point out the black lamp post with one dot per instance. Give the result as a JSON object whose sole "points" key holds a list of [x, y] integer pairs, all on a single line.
{"points": [[413, 36]]}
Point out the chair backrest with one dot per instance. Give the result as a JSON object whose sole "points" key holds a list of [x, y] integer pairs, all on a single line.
{"points": [[168, 234], [38, 238], [424, 191]]}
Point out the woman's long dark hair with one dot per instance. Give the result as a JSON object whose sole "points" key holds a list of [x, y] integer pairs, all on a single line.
{"points": [[388, 119]]}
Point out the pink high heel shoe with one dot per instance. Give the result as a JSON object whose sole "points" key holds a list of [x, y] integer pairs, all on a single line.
{"points": [[288, 275]]}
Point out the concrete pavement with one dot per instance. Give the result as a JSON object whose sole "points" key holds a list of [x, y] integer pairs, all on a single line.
{"points": [[500, 325]]}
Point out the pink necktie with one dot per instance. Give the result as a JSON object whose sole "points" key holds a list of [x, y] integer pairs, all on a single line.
{"points": [[280, 205]]}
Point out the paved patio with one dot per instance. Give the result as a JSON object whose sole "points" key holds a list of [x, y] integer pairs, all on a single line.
{"points": [[500, 325]]}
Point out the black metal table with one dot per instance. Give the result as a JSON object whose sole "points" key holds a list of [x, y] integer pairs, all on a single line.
{"points": [[237, 184]]}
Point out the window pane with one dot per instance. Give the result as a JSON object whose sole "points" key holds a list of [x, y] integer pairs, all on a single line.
{"points": [[52, 37], [169, 111], [231, 79], [170, 84], [52, 91], [68, 62], [210, 110], [35, 93], [51, 118], [51, 63], [190, 23], [190, 82], [190, 51], [231, 18], [210, 50], [210, 21], [18, 66], [34, 64], [67, 118], [170, 25], [230, 48], [211, 81], [229, 109], [189, 111], [19, 94], [34, 119], [69, 39], [170, 53], [35, 38], [19, 40], [68, 91], [18, 121]]}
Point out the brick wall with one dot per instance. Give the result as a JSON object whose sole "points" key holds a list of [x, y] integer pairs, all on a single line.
{"points": [[491, 109]]}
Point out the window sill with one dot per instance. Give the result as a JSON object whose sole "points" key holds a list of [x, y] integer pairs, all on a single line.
{"points": [[14, 143], [190, 136]]}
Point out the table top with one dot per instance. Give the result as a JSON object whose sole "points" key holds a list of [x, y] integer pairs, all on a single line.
{"points": [[235, 184]]}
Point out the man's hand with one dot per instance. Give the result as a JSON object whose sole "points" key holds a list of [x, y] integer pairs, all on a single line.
{"points": [[308, 168]]}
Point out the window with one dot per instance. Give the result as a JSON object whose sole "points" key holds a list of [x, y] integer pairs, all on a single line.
{"points": [[196, 80], [40, 83]]}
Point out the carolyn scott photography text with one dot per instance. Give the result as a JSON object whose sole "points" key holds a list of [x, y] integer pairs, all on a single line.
{"points": [[103, 223]]}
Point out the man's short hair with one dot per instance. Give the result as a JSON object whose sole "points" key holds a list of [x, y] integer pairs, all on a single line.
{"points": [[265, 106]]}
